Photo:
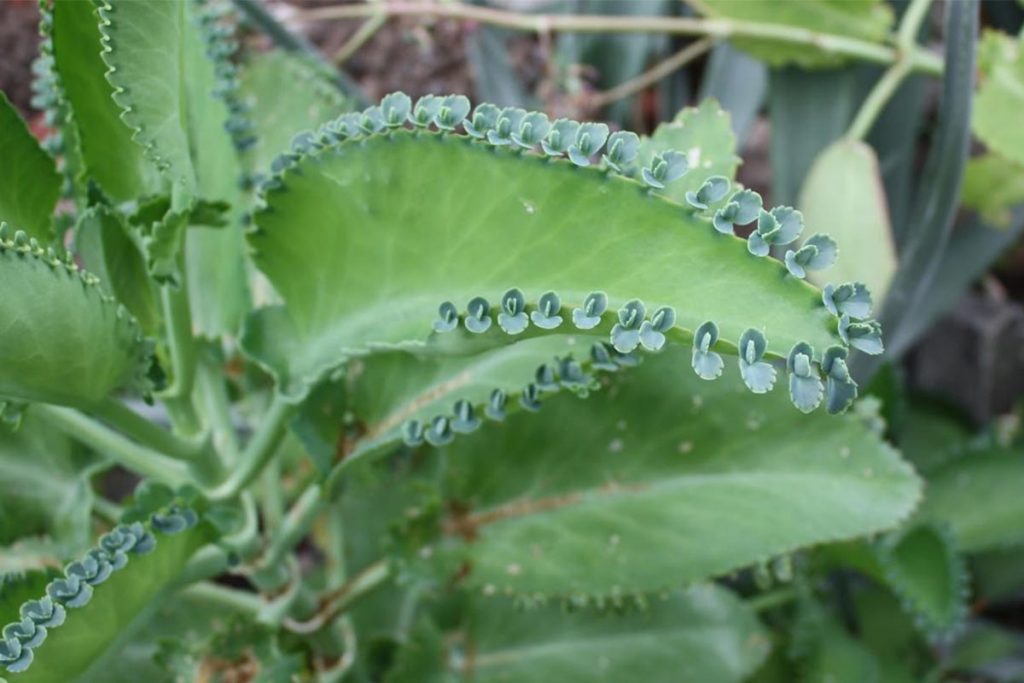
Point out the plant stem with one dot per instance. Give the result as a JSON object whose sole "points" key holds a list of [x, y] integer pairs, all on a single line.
{"points": [[890, 81], [213, 399], [338, 601], [289, 41], [654, 74], [145, 461], [126, 420], [178, 318], [359, 38], [868, 51], [294, 526], [767, 601], [258, 451], [207, 593]]}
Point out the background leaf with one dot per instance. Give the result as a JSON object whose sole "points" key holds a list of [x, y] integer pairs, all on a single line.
{"points": [[843, 193], [31, 186]]}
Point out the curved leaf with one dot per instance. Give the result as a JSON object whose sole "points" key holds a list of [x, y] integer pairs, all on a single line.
{"points": [[473, 221], [64, 341], [31, 185], [144, 46], [108, 155], [116, 604], [658, 480]]}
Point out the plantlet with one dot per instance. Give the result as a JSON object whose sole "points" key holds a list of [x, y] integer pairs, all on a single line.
{"points": [[399, 390]]}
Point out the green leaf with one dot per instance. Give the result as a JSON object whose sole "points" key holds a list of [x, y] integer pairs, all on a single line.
{"points": [[829, 653], [662, 479], [145, 47], [103, 240], [922, 566], [844, 193], [64, 340], [993, 185], [868, 20], [478, 235], [215, 258], [704, 134], [1000, 95], [977, 495], [44, 490], [703, 634], [109, 156], [117, 606], [31, 186], [285, 96]]}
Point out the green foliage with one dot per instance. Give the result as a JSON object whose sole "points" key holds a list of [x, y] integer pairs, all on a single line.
{"points": [[701, 634], [858, 216], [866, 19], [65, 341], [481, 394], [28, 196], [626, 484]]}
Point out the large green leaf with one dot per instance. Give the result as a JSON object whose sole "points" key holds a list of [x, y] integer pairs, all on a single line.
{"points": [[864, 19], [44, 491], [451, 219], [658, 480], [993, 185], [977, 495], [64, 340], [145, 47], [117, 605], [703, 634], [31, 185], [844, 192], [109, 156], [285, 96], [1000, 94]]}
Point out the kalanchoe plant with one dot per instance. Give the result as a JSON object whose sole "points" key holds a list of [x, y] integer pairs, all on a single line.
{"points": [[488, 406]]}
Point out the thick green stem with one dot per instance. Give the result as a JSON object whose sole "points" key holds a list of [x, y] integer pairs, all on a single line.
{"points": [[890, 81], [140, 459], [258, 451], [232, 599], [180, 342], [211, 394], [294, 526], [845, 46], [335, 603], [127, 421]]}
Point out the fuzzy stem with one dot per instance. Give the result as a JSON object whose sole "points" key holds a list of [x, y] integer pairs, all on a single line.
{"points": [[338, 601], [258, 451], [125, 420], [359, 38], [845, 46], [654, 74], [145, 461]]}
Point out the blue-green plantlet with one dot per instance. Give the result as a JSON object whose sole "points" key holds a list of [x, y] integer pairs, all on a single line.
{"points": [[395, 356]]}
